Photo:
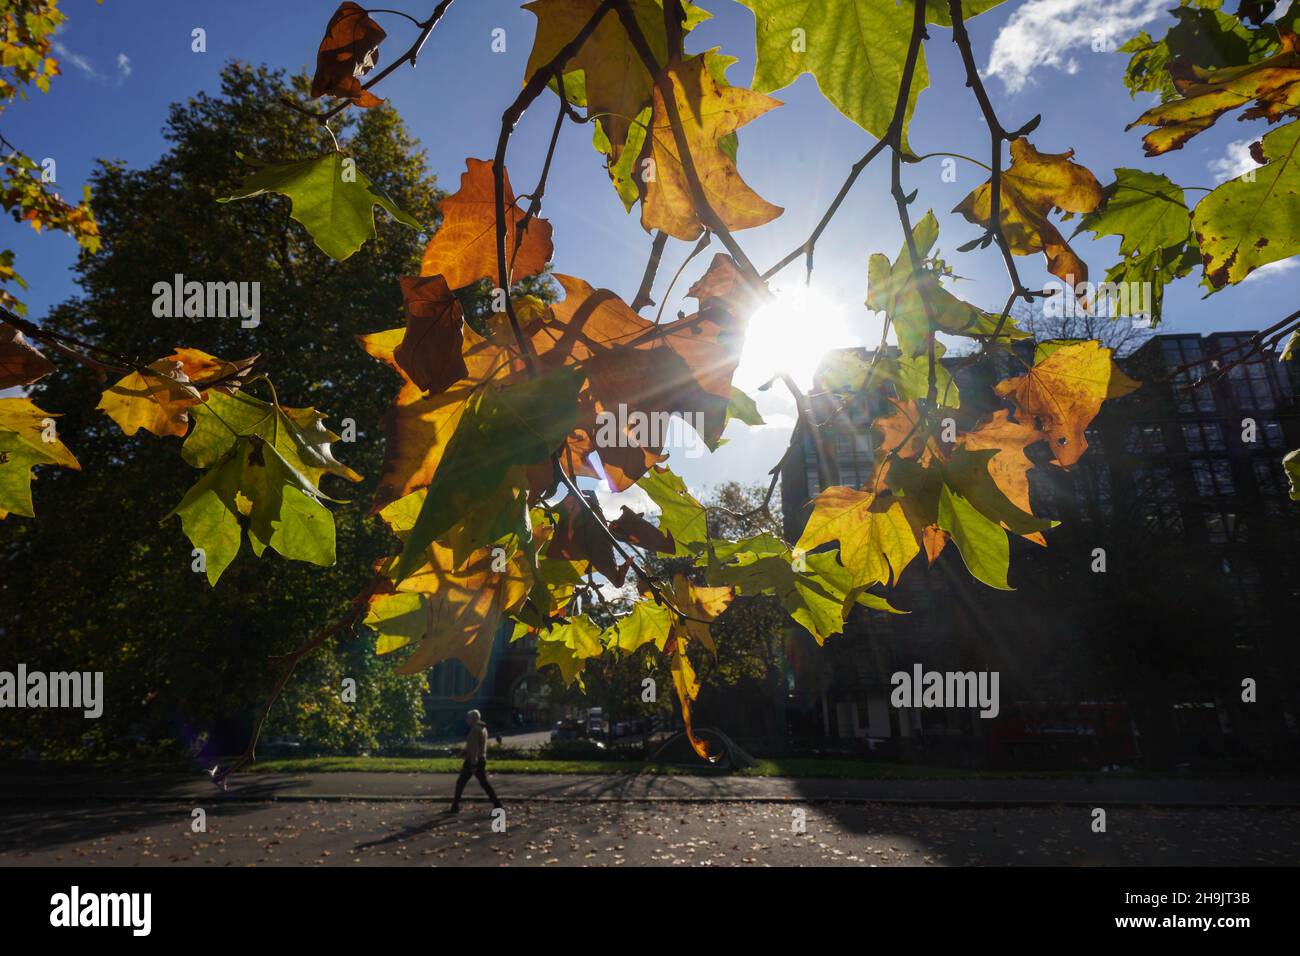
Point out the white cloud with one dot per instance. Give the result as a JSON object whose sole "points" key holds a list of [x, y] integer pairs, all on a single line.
{"points": [[1043, 32], [86, 67], [612, 502], [82, 65], [1272, 270], [1235, 161]]}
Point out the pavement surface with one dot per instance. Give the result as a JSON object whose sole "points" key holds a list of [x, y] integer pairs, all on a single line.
{"points": [[635, 833], [1100, 790]]}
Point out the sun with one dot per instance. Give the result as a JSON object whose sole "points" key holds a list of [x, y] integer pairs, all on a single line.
{"points": [[790, 334]]}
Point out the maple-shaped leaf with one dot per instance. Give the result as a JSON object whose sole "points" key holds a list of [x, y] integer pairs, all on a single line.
{"points": [[1253, 220], [348, 52], [159, 402], [854, 48], [897, 290], [20, 362], [431, 351], [1009, 467], [501, 429], [27, 438], [1272, 83], [569, 646], [638, 373], [1032, 187], [649, 623], [876, 541], [699, 605], [635, 530], [299, 435], [1062, 393], [330, 196], [1150, 215], [418, 426], [253, 488], [815, 590], [454, 613], [606, 75], [708, 113], [464, 249], [579, 536], [681, 515]]}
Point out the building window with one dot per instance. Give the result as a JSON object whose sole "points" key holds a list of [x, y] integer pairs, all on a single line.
{"points": [[1270, 430], [1213, 476], [1269, 477], [1203, 436], [1144, 440], [1180, 351]]}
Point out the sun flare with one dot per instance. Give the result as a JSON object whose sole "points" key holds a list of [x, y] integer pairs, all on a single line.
{"points": [[791, 334]]}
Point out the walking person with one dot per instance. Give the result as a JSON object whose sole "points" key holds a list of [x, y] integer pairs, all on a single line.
{"points": [[475, 761]]}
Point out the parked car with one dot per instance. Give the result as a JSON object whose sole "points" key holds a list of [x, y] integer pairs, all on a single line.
{"points": [[567, 729]]}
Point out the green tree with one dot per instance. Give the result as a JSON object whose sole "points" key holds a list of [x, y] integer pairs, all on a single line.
{"points": [[99, 586]]}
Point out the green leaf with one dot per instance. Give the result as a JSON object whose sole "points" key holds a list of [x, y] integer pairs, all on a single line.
{"points": [[743, 408], [1150, 214], [967, 475], [648, 623], [1291, 463], [298, 434], [254, 489], [679, 513], [333, 199], [569, 646], [982, 542], [854, 48], [1253, 220], [501, 429], [1203, 36]]}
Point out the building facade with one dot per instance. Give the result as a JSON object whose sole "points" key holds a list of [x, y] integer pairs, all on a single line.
{"points": [[1156, 628]]}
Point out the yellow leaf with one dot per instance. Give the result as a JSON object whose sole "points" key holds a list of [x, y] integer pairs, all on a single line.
{"points": [[876, 540], [708, 112]]}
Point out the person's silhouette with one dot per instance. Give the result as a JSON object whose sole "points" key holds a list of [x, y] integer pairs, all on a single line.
{"points": [[475, 764]]}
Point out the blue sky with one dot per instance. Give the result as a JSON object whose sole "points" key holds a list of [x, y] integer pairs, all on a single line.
{"points": [[126, 60]]}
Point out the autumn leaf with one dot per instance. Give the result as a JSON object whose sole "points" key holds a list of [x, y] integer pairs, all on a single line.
{"points": [[348, 52], [27, 439], [453, 613], [418, 427], [1253, 220], [253, 489], [876, 541], [159, 402], [1273, 84], [687, 686], [699, 605], [20, 362], [708, 112], [329, 195], [635, 530], [606, 75], [1009, 467], [639, 372], [1032, 186], [464, 249], [430, 352], [501, 429], [649, 623], [1062, 393], [579, 536]]}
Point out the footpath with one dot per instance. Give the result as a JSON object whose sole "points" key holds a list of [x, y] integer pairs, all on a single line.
{"points": [[27, 787]]}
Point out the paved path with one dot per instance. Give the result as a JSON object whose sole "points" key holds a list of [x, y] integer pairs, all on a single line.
{"points": [[545, 788], [641, 833]]}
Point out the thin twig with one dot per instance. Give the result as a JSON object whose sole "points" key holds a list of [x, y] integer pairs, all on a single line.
{"points": [[642, 298]]}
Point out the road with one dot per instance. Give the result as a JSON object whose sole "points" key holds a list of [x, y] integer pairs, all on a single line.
{"points": [[637, 833]]}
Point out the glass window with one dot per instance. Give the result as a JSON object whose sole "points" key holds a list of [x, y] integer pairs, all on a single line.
{"points": [[1144, 440], [1213, 476], [1203, 436], [1269, 477]]}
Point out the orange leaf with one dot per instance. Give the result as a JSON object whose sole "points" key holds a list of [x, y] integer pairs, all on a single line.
{"points": [[430, 351], [464, 249], [20, 362], [348, 52]]}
